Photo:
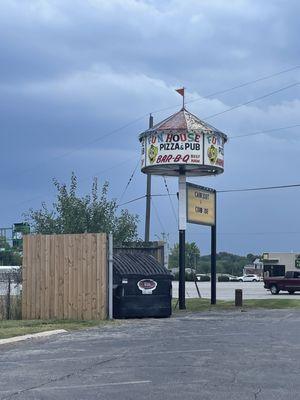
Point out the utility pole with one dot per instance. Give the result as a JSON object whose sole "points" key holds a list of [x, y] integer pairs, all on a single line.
{"points": [[148, 197]]}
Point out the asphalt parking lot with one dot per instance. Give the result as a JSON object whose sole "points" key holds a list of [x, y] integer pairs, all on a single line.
{"points": [[212, 355], [226, 290]]}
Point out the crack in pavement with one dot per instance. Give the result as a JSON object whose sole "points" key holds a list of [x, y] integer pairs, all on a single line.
{"points": [[63, 377], [257, 393]]}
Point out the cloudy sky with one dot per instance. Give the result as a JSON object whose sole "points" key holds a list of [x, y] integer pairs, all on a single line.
{"points": [[78, 79]]}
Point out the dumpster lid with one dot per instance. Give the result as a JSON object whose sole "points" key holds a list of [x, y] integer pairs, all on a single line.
{"points": [[138, 264]]}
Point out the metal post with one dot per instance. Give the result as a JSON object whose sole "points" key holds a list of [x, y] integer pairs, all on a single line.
{"points": [[238, 297], [110, 276], [8, 297], [148, 197], [182, 270], [213, 265], [182, 228]]}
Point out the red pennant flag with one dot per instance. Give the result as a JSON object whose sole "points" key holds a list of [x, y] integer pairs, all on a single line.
{"points": [[180, 91]]}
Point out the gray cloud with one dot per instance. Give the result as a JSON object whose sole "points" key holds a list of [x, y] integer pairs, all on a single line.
{"points": [[73, 71]]}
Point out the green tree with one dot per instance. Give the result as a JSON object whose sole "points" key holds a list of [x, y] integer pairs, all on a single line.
{"points": [[192, 256], [227, 263], [91, 214], [8, 256]]}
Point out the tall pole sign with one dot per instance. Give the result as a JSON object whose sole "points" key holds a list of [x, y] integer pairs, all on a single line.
{"points": [[201, 209], [182, 145]]}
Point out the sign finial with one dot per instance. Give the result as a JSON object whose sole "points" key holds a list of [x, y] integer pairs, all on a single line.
{"points": [[181, 92]]}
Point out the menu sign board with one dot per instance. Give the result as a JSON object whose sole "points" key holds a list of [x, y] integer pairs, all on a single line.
{"points": [[201, 205]]}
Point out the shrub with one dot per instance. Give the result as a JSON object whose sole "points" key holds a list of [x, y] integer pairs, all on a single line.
{"points": [[189, 277]]}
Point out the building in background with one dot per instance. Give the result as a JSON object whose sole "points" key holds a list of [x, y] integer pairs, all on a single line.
{"points": [[256, 268], [276, 264]]}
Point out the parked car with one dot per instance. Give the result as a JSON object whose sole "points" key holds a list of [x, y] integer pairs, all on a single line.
{"points": [[233, 278], [223, 278], [203, 277], [249, 278]]}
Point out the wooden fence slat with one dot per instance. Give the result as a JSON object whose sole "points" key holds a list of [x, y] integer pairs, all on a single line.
{"points": [[41, 278], [93, 277], [103, 277], [98, 278], [24, 278], [51, 291], [80, 273]]}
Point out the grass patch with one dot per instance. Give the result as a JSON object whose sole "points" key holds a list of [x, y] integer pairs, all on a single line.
{"points": [[23, 327], [204, 304]]}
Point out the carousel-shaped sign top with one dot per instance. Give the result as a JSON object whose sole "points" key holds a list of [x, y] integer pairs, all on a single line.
{"points": [[182, 143]]}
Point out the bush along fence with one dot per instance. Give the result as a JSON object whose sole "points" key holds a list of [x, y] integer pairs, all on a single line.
{"points": [[10, 293]]}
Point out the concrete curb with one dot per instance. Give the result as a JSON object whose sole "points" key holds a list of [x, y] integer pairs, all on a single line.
{"points": [[31, 336]]}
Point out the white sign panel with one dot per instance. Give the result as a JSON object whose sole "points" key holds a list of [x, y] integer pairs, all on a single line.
{"points": [[172, 148], [143, 152], [214, 150]]}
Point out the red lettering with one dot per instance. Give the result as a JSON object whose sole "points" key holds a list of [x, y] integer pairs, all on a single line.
{"points": [[169, 137]]}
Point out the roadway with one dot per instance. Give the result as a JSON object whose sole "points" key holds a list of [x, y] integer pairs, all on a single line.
{"points": [[225, 290]]}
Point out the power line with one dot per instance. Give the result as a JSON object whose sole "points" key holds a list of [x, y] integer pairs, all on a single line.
{"points": [[224, 191], [112, 132], [245, 233], [208, 96], [97, 173], [211, 116], [251, 101], [129, 181], [259, 188], [245, 84], [132, 201], [227, 191], [157, 216], [172, 205], [265, 131]]}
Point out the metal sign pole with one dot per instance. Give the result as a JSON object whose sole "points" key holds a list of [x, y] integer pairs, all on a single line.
{"points": [[182, 228], [148, 197], [213, 295], [110, 276]]}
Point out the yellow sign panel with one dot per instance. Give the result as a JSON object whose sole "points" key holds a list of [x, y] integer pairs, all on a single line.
{"points": [[201, 207]]}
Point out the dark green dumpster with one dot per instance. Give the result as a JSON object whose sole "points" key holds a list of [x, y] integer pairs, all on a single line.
{"points": [[142, 287]]}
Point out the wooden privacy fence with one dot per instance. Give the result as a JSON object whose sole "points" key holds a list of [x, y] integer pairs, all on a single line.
{"points": [[64, 276]]}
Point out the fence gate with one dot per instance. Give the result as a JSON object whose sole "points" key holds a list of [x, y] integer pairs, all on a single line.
{"points": [[64, 276]]}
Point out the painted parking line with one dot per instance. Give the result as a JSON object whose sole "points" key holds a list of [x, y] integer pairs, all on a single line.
{"points": [[178, 351], [98, 385]]}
